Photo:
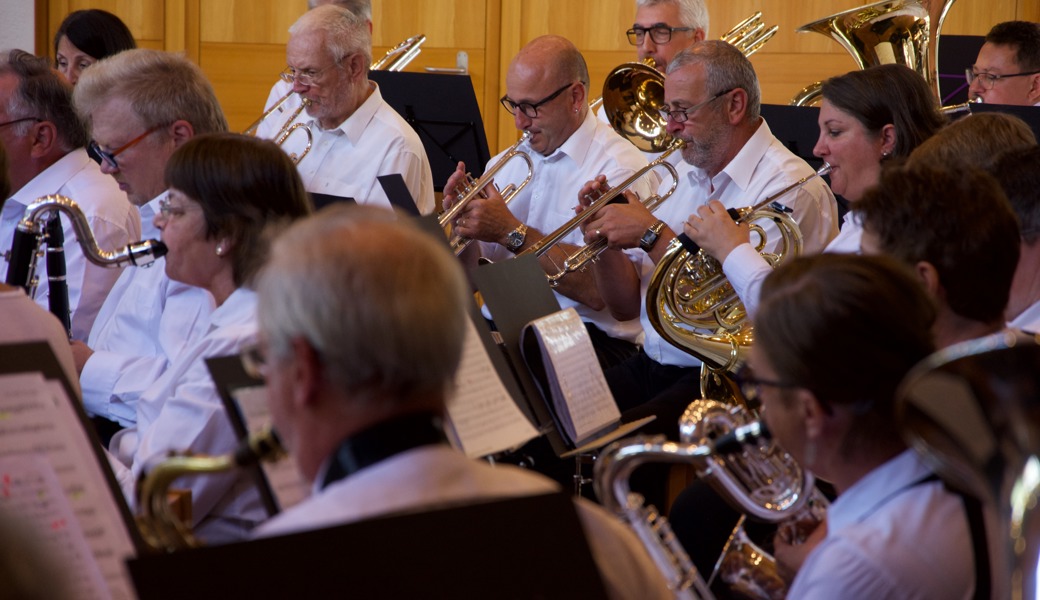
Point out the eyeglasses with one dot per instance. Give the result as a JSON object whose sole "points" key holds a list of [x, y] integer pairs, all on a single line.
{"points": [[110, 157], [530, 110], [751, 386], [988, 80], [253, 361], [12, 122], [680, 115], [307, 76], [168, 209], [660, 34]]}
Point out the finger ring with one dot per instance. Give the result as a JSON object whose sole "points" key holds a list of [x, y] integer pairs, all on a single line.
{"points": [[598, 234], [462, 222]]}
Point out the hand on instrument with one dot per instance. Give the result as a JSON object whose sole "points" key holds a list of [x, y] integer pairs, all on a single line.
{"points": [[486, 218], [452, 187], [714, 230], [622, 224], [793, 543], [590, 192], [80, 354]]}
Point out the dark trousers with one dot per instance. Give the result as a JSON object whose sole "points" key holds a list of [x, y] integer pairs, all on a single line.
{"points": [[610, 351]]}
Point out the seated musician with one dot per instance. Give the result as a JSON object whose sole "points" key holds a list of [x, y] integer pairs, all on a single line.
{"points": [[1007, 70], [664, 27], [1019, 176], [225, 190], [362, 421], [357, 136], [956, 229], [148, 319], [547, 93], [46, 151], [894, 531]]}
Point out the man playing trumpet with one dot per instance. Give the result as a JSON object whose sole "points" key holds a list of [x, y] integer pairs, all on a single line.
{"points": [[546, 90]]}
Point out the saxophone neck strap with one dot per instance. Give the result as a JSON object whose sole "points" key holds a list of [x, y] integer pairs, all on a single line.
{"points": [[382, 441]]}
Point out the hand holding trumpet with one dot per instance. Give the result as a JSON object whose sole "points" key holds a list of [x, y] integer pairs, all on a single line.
{"points": [[485, 217], [622, 224]]}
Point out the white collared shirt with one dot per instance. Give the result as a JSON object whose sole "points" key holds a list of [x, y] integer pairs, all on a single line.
{"points": [[110, 216], [373, 141], [549, 199], [763, 167], [1028, 320], [143, 326]]}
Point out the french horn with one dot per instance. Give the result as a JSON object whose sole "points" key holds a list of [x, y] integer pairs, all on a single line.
{"points": [[905, 32]]}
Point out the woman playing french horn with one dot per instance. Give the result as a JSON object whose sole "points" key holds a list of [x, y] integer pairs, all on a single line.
{"points": [[835, 334]]}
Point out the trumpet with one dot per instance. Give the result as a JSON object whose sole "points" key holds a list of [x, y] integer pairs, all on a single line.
{"points": [[288, 128], [475, 187], [591, 251], [581, 258]]}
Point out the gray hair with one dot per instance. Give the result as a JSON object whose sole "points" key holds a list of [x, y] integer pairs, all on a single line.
{"points": [[42, 93], [381, 302], [344, 31], [361, 8], [161, 87], [692, 13], [725, 68]]}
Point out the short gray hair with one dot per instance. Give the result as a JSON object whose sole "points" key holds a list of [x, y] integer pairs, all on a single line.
{"points": [[725, 68], [44, 94], [381, 302], [692, 13], [162, 87], [344, 31]]}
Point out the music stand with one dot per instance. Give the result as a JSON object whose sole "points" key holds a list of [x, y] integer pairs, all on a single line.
{"points": [[443, 110]]}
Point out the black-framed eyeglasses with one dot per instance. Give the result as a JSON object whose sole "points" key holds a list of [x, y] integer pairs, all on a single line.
{"points": [[988, 80], [307, 76], [751, 386], [680, 115], [530, 109], [110, 157], [660, 34], [13, 121]]}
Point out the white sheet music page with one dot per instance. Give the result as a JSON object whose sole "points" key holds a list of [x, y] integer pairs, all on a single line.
{"points": [[581, 399], [39, 427], [284, 478], [482, 414]]}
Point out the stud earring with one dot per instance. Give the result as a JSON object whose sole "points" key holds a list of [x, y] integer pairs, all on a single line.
{"points": [[220, 250]]}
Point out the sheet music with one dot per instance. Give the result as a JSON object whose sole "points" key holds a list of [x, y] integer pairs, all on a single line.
{"points": [[284, 478], [38, 426], [581, 399], [482, 413]]}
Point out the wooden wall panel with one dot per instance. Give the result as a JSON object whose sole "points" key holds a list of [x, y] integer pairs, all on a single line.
{"points": [[240, 43]]}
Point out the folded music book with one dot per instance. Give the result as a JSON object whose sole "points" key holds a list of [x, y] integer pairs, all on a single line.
{"points": [[55, 478]]}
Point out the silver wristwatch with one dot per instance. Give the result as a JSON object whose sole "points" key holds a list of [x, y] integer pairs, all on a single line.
{"points": [[650, 237], [515, 238]]}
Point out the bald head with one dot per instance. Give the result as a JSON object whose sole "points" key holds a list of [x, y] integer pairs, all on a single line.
{"points": [[554, 56]]}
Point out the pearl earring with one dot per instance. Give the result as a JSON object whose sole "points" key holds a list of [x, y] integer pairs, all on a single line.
{"points": [[220, 250]]}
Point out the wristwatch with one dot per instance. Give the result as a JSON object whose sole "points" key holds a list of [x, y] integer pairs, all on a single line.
{"points": [[650, 237], [515, 238]]}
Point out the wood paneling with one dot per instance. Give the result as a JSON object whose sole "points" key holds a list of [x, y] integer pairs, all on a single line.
{"points": [[240, 44]]}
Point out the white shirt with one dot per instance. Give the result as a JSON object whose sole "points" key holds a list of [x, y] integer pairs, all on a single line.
{"points": [[182, 411], [143, 326], [548, 200], [21, 320], [437, 476], [849, 237], [1028, 320], [269, 127], [763, 167], [112, 220], [374, 141], [889, 538]]}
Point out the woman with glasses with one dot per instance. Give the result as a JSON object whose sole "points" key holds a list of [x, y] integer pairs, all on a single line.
{"points": [[894, 530], [87, 36], [225, 190]]}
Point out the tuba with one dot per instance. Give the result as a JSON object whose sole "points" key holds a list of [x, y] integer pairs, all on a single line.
{"points": [[692, 305], [164, 531], [728, 451], [973, 411], [905, 32], [40, 225], [633, 93]]}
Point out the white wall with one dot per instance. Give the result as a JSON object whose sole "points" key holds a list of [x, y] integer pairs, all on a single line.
{"points": [[16, 26]]}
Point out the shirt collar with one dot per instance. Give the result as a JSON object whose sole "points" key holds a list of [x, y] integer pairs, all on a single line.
{"points": [[148, 212], [875, 489], [741, 168], [44, 183], [354, 126], [577, 145]]}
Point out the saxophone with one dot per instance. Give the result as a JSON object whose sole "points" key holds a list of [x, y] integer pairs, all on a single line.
{"points": [[40, 225], [729, 451], [161, 529]]}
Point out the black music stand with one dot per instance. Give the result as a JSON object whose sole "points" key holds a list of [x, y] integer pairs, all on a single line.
{"points": [[443, 110], [532, 547]]}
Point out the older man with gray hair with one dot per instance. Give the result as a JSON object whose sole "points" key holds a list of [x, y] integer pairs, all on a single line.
{"points": [[664, 27], [361, 419], [357, 136]]}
